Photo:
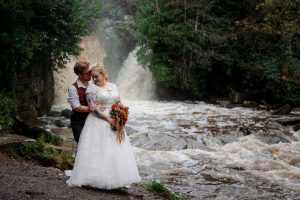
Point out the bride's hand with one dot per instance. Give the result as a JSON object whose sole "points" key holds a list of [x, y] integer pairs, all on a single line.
{"points": [[92, 107], [111, 121], [101, 107]]}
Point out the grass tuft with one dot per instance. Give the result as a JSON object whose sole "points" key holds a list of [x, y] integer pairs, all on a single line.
{"points": [[162, 190], [47, 156]]}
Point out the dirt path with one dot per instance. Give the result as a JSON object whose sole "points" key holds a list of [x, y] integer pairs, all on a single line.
{"points": [[20, 179], [26, 180]]}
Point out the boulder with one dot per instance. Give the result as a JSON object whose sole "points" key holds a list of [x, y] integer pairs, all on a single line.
{"points": [[284, 110], [66, 113]]}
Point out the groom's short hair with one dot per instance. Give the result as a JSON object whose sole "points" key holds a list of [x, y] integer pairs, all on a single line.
{"points": [[80, 66]]}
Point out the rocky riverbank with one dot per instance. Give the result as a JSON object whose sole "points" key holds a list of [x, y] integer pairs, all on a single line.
{"points": [[21, 179]]}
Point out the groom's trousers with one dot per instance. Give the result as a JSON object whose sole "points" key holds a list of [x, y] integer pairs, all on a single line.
{"points": [[77, 122]]}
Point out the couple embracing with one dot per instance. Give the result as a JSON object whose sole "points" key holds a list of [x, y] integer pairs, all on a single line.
{"points": [[102, 161]]}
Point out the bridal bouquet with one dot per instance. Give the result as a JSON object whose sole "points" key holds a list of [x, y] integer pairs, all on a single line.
{"points": [[119, 113]]}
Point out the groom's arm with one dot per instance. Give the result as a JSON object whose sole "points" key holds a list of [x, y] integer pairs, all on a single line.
{"points": [[82, 109], [73, 100]]}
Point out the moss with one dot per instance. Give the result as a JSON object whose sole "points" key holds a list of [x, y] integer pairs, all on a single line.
{"points": [[162, 190], [47, 156], [22, 128], [48, 137]]}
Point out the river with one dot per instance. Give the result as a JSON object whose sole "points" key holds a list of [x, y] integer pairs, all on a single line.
{"points": [[205, 151]]}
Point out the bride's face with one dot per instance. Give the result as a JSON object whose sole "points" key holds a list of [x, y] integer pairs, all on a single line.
{"points": [[98, 78]]}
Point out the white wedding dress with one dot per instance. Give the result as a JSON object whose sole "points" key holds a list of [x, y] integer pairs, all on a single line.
{"points": [[101, 160]]}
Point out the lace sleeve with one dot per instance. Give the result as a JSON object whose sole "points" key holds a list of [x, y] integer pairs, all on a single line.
{"points": [[91, 97]]}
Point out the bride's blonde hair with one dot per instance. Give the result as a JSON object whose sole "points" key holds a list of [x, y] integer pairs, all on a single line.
{"points": [[100, 69]]}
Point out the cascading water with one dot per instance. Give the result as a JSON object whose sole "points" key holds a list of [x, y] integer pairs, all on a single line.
{"points": [[198, 149], [134, 81]]}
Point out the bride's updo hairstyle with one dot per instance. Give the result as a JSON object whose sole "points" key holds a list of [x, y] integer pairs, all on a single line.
{"points": [[100, 69]]}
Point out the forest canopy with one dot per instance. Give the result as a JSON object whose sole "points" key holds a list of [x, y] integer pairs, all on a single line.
{"points": [[219, 47], [197, 48], [44, 33]]}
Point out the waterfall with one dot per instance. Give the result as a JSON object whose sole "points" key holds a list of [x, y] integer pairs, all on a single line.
{"points": [[135, 82]]}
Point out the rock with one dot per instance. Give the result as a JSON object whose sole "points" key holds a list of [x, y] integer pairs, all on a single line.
{"points": [[64, 133], [53, 114], [250, 104], [231, 136], [21, 128], [30, 114], [130, 130], [297, 127], [288, 120], [275, 136], [236, 98], [226, 104], [295, 111], [273, 125], [66, 113], [245, 130], [268, 106], [60, 123], [284, 110], [161, 141]]}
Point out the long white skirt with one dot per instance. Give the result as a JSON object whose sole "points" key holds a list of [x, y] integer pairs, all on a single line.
{"points": [[102, 161]]}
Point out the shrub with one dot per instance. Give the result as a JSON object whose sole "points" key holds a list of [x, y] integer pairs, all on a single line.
{"points": [[162, 190], [47, 156], [8, 110]]}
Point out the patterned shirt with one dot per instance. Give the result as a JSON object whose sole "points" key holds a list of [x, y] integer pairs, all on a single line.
{"points": [[73, 97]]}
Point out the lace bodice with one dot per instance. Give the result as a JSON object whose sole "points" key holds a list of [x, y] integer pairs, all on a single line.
{"points": [[107, 96]]}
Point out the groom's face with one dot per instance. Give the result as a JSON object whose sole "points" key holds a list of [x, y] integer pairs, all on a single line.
{"points": [[86, 75]]}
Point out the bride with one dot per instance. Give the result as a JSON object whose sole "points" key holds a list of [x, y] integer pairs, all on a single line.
{"points": [[102, 161]]}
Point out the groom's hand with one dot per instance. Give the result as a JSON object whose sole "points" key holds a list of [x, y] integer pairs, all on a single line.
{"points": [[101, 107]]}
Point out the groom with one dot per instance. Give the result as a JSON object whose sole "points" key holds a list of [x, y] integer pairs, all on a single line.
{"points": [[77, 98]]}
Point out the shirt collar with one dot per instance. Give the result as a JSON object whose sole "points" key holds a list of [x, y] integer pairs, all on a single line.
{"points": [[81, 85]]}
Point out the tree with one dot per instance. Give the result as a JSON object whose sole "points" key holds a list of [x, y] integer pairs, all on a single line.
{"points": [[273, 56], [215, 47], [181, 40], [44, 32]]}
